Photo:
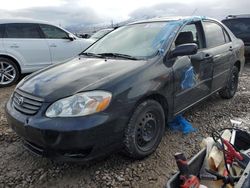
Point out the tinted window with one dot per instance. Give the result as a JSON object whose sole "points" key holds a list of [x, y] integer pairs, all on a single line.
{"points": [[22, 30], [52, 32], [240, 27], [214, 34], [1, 30]]}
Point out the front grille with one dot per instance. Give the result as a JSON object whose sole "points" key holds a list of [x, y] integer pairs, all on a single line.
{"points": [[26, 103]]}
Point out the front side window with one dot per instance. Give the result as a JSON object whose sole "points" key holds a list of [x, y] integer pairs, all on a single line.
{"points": [[191, 33], [214, 34], [53, 32], [141, 40], [22, 30]]}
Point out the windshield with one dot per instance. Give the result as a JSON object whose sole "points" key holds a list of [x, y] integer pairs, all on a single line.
{"points": [[138, 40], [240, 27], [101, 33]]}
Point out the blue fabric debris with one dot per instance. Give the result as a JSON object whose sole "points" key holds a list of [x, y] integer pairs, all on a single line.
{"points": [[165, 34], [170, 30], [181, 124], [188, 80]]}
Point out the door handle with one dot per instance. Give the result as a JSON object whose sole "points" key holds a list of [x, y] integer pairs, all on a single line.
{"points": [[53, 45], [201, 56], [208, 56]]}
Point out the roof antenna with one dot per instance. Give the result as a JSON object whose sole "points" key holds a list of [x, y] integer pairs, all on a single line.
{"points": [[195, 10]]}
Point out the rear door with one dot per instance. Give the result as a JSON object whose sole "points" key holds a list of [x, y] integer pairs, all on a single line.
{"points": [[25, 42], [61, 47], [219, 46]]}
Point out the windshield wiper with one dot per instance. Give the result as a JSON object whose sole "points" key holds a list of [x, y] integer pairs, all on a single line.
{"points": [[90, 54], [118, 55]]}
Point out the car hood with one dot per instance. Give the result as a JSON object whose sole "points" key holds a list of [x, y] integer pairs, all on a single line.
{"points": [[80, 74]]}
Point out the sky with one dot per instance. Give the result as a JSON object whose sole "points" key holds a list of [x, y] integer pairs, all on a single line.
{"points": [[89, 12]]}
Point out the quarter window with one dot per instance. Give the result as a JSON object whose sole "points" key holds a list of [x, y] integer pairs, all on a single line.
{"points": [[227, 38], [22, 30], [214, 34], [52, 32]]}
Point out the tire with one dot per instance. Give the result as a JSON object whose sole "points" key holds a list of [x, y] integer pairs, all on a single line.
{"points": [[145, 130], [9, 72], [229, 91]]}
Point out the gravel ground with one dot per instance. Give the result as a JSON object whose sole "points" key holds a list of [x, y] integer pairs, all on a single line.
{"points": [[18, 168]]}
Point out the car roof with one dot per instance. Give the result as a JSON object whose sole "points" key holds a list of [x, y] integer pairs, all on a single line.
{"points": [[165, 19], [5, 21], [107, 29], [237, 16]]}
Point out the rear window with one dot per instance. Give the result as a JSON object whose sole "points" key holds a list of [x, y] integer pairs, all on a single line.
{"points": [[22, 30], [240, 27]]}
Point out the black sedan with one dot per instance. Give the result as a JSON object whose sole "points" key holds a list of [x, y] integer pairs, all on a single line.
{"points": [[123, 90]]}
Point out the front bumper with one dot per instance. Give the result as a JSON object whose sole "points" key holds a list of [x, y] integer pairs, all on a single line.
{"points": [[69, 139]]}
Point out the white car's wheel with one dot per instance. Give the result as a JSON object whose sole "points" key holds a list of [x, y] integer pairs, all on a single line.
{"points": [[9, 72]]}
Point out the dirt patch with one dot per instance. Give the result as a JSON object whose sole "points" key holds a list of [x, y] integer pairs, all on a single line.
{"points": [[18, 168]]}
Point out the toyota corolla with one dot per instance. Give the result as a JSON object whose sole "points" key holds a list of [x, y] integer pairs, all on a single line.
{"points": [[121, 92]]}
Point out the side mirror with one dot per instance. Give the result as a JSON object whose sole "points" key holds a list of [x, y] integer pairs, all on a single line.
{"points": [[71, 37], [185, 49]]}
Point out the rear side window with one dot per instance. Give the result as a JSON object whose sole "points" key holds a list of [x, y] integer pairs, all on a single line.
{"points": [[214, 34], [1, 30], [53, 32], [22, 30]]}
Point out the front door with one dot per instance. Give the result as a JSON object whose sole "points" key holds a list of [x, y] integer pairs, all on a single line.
{"points": [[61, 47], [193, 74]]}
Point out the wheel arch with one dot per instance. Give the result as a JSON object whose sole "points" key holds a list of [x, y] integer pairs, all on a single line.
{"points": [[13, 59], [238, 65], [159, 98]]}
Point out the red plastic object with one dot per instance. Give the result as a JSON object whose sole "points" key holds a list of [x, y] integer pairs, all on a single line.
{"points": [[190, 182], [231, 153]]}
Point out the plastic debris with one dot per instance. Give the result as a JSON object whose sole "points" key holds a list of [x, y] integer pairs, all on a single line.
{"points": [[181, 124], [189, 79]]}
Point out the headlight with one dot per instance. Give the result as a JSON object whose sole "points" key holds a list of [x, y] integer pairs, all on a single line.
{"points": [[80, 104]]}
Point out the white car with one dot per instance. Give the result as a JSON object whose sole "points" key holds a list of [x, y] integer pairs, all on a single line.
{"points": [[29, 45]]}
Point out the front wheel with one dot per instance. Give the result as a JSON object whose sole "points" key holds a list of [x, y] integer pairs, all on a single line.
{"points": [[145, 129], [229, 91], [9, 72]]}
